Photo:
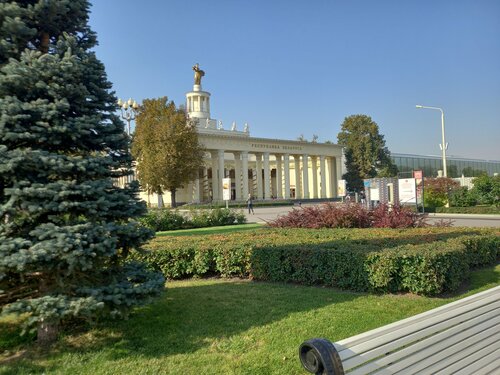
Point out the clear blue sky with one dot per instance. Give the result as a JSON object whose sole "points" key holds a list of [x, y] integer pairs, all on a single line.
{"points": [[290, 67]]}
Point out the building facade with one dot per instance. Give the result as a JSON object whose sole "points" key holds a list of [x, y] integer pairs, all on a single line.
{"points": [[264, 168], [456, 167]]}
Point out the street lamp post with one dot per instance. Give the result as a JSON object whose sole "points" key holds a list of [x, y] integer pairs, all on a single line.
{"points": [[129, 110], [443, 145]]}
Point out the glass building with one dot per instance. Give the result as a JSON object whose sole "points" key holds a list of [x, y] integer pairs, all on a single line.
{"points": [[456, 167]]}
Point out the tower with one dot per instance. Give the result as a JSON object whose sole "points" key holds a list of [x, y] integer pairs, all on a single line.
{"points": [[198, 102], [198, 108]]}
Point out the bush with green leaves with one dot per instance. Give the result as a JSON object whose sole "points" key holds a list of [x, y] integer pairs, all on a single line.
{"points": [[166, 219], [486, 189], [163, 219], [476, 210], [437, 191], [462, 197], [419, 260]]}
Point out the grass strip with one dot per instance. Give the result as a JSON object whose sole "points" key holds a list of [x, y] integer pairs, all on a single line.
{"points": [[223, 326]]}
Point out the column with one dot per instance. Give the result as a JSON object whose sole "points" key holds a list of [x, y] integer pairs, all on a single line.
{"points": [[322, 170], [338, 171], [314, 161], [286, 163], [237, 176], [215, 180], [220, 160], [267, 177], [258, 171], [279, 177], [298, 190], [196, 189], [244, 168], [331, 183], [305, 173], [204, 189]]}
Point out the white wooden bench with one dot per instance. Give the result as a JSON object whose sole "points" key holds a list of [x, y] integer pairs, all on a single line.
{"points": [[462, 337]]}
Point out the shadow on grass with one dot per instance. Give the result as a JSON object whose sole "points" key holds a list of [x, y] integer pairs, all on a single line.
{"points": [[195, 315], [190, 317]]}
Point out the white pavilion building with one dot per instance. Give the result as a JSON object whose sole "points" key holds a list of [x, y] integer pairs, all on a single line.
{"points": [[265, 168]]}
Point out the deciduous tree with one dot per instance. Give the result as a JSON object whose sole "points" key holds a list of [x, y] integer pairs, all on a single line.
{"points": [[487, 189], [166, 148], [365, 152], [66, 229]]}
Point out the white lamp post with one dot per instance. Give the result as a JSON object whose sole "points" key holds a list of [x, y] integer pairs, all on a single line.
{"points": [[129, 109], [443, 145]]}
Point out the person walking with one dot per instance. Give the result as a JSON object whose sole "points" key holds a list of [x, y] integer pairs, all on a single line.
{"points": [[250, 204]]}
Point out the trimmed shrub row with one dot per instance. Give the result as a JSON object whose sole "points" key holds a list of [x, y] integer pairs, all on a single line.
{"points": [[166, 219], [379, 260], [478, 210]]}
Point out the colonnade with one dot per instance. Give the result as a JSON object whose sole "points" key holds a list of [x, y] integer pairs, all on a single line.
{"points": [[267, 175]]}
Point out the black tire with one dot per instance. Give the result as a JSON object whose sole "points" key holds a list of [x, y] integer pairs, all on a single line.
{"points": [[319, 356]]}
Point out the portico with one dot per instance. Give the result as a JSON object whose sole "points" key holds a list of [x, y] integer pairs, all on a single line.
{"points": [[268, 168]]}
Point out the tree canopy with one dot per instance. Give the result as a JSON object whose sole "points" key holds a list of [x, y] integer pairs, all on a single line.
{"points": [[66, 228], [166, 147], [365, 152]]}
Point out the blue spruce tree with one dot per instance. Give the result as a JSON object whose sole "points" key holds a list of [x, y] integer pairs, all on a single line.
{"points": [[66, 229]]}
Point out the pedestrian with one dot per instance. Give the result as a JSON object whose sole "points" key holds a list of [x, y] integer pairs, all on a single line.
{"points": [[250, 204]]}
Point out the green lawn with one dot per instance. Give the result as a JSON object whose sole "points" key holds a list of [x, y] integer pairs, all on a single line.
{"points": [[210, 230], [221, 327]]}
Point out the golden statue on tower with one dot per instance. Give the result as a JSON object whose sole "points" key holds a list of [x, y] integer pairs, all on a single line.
{"points": [[198, 73]]}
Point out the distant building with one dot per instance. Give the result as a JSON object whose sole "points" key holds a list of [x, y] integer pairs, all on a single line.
{"points": [[456, 167]]}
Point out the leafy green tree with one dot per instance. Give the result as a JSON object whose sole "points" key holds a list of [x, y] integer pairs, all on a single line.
{"points": [[438, 190], [166, 148], [66, 229], [462, 197], [471, 172], [487, 189], [365, 152]]}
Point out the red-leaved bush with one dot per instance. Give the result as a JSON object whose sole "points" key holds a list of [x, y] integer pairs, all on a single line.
{"points": [[397, 216], [349, 215]]}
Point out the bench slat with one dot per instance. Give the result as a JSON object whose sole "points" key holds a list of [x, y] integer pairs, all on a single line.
{"points": [[493, 367], [357, 356], [467, 303], [479, 367], [466, 355], [482, 355], [424, 351]]}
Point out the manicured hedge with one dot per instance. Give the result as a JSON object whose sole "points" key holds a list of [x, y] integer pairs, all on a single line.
{"points": [[425, 261], [165, 219], [478, 210]]}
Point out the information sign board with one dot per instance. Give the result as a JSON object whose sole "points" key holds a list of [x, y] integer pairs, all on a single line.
{"points": [[226, 189], [341, 191], [407, 190]]}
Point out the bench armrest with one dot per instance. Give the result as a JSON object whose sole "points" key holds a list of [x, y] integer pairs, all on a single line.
{"points": [[319, 356]]}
